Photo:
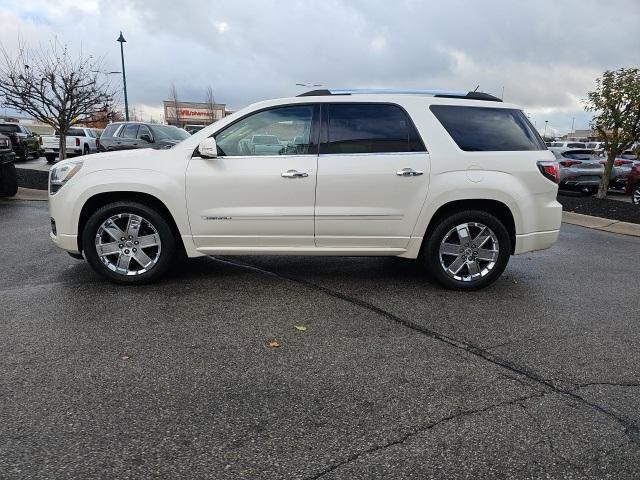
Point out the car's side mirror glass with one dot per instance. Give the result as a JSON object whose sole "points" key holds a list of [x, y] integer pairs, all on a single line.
{"points": [[146, 137], [208, 148]]}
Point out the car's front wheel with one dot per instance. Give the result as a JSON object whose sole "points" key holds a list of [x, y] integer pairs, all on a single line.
{"points": [[129, 243], [467, 250], [635, 195]]}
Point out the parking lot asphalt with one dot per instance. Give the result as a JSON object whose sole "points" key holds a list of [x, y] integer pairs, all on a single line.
{"points": [[537, 376]]}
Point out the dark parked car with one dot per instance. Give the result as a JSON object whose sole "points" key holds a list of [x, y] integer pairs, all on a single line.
{"points": [[8, 180], [633, 184], [25, 143], [129, 135]]}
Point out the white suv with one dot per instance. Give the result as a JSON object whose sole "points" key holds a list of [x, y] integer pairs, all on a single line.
{"points": [[459, 181]]}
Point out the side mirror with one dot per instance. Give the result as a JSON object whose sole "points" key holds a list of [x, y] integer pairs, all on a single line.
{"points": [[208, 148], [146, 137]]}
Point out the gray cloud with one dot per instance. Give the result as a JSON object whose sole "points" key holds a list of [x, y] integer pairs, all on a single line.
{"points": [[545, 54]]}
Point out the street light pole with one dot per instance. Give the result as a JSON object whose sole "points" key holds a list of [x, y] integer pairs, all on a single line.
{"points": [[124, 77], [545, 129]]}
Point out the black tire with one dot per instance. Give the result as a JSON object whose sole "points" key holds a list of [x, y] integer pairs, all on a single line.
{"points": [[430, 255], [85, 150], [635, 195], [588, 191], [51, 158], [162, 226], [8, 180]]}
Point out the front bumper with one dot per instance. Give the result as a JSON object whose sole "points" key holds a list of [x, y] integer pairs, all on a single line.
{"points": [[6, 157], [66, 242]]}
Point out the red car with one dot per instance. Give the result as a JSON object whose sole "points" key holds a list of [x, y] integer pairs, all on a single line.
{"points": [[633, 184]]}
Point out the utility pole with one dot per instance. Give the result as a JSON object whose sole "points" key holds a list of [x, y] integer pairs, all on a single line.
{"points": [[124, 77], [572, 123], [545, 129]]}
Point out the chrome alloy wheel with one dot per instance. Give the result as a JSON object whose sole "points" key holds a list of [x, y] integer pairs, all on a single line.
{"points": [[469, 251], [635, 196], [128, 244]]}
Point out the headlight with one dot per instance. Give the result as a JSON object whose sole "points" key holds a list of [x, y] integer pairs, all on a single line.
{"points": [[4, 142], [62, 174]]}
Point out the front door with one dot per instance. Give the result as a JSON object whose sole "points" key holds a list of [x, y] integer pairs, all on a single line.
{"points": [[260, 191], [373, 175]]}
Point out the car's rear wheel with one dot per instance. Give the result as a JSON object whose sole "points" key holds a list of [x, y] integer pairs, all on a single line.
{"points": [[8, 180], [635, 195], [85, 150], [129, 243], [467, 250], [51, 158]]}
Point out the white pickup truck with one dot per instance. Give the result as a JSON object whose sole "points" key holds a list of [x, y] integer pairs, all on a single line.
{"points": [[80, 141]]}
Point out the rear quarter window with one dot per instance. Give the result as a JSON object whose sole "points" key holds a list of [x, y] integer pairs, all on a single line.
{"points": [[486, 129]]}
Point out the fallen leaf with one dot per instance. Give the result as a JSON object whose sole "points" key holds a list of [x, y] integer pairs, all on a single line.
{"points": [[274, 344], [300, 328]]}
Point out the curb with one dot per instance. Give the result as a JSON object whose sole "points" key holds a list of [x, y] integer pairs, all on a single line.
{"points": [[32, 179], [30, 194], [602, 224]]}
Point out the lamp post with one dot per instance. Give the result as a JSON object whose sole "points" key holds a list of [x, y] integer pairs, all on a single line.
{"points": [[545, 129], [124, 77]]}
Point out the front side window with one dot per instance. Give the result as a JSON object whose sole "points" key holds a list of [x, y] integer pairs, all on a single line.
{"points": [[277, 131], [487, 129], [370, 128], [143, 130]]}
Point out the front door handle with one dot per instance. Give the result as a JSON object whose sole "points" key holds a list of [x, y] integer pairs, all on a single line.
{"points": [[294, 174], [409, 172]]}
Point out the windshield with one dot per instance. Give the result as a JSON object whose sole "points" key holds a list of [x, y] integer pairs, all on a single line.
{"points": [[628, 156], [168, 132]]}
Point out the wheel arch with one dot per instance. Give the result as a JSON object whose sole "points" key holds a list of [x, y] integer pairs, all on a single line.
{"points": [[98, 200], [495, 207]]}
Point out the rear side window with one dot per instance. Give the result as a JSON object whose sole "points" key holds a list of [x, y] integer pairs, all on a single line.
{"points": [[486, 129], [130, 131], [370, 128], [576, 145]]}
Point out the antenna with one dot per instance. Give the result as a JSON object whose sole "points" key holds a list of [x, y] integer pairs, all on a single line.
{"points": [[476, 89]]}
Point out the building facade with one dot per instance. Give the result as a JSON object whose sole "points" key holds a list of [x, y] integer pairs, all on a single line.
{"points": [[193, 113]]}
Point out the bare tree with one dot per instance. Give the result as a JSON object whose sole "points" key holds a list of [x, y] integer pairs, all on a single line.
{"points": [[173, 97], [211, 104], [53, 86]]}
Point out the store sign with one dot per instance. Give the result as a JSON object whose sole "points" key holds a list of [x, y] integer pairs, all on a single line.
{"points": [[191, 113]]}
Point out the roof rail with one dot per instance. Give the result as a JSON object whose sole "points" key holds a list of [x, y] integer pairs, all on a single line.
{"points": [[432, 93]]}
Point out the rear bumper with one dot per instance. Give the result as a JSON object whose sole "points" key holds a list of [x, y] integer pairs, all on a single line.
{"points": [[530, 242]]}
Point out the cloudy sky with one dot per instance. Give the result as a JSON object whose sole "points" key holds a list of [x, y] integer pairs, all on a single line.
{"points": [[544, 54]]}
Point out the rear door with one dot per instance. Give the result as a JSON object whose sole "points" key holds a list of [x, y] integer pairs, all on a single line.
{"points": [[373, 175]]}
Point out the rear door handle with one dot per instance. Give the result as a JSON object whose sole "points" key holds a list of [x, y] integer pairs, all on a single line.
{"points": [[409, 172], [294, 174]]}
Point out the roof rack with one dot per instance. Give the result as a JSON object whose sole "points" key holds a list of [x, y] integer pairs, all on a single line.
{"points": [[431, 93]]}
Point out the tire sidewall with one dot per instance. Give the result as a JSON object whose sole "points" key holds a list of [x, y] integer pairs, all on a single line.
{"points": [[161, 225], [431, 249], [635, 193], [8, 180]]}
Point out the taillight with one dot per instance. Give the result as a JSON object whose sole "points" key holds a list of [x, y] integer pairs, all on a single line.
{"points": [[77, 141], [550, 170], [569, 163], [619, 162]]}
